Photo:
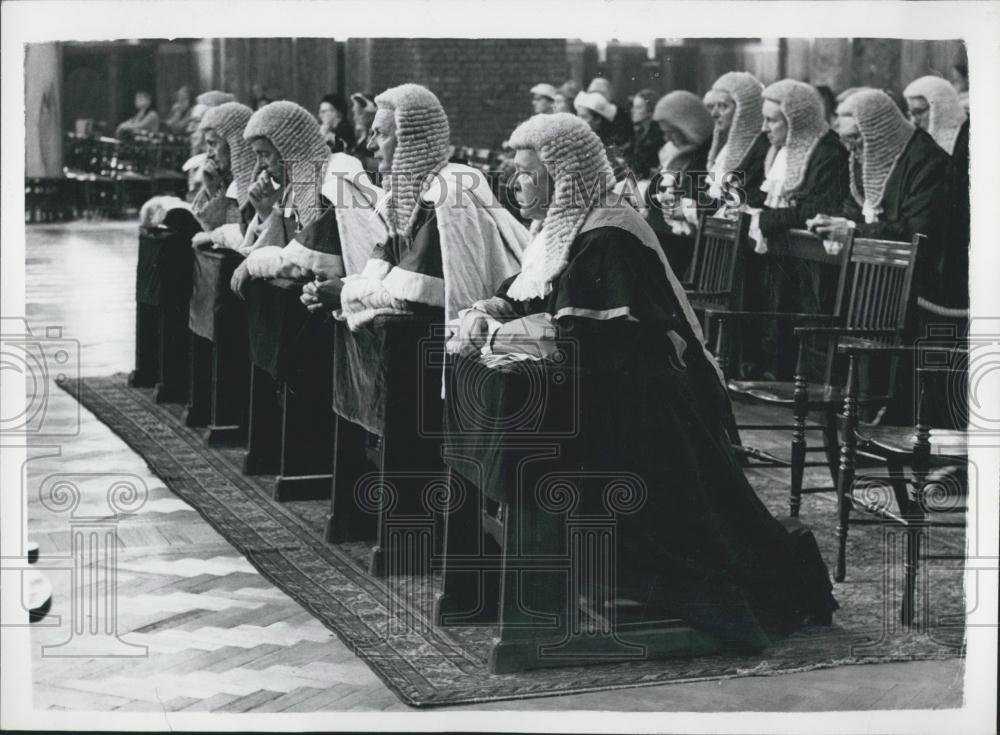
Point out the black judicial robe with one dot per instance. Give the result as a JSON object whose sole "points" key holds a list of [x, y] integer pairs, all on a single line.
{"points": [[751, 168], [758, 278], [955, 269], [805, 288], [919, 198], [702, 547], [825, 185]]}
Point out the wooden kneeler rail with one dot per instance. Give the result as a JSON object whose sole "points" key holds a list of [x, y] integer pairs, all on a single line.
{"points": [[219, 369], [388, 471], [290, 422], [162, 293], [519, 545]]}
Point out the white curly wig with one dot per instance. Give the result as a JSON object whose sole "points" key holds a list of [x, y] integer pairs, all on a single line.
{"points": [[293, 131], [886, 134], [946, 114], [575, 160], [746, 92], [803, 109], [229, 120], [422, 149]]}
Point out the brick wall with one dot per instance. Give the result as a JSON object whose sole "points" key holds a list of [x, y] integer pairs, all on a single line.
{"points": [[483, 83]]}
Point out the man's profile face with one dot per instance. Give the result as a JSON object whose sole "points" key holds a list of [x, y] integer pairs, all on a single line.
{"points": [[268, 159], [775, 123], [920, 111], [218, 149], [532, 186], [847, 129], [382, 141], [722, 108]]}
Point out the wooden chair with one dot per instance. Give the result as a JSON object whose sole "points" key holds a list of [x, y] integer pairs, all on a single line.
{"points": [[91, 164], [46, 200], [134, 170], [720, 248], [875, 285], [168, 177], [799, 251], [918, 500]]}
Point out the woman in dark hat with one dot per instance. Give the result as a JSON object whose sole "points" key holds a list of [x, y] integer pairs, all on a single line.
{"points": [[334, 124]]}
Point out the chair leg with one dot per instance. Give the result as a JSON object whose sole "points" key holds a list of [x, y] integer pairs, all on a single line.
{"points": [[798, 447], [831, 443], [845, 476], [845, 480], [898, 481], [912, 558]]}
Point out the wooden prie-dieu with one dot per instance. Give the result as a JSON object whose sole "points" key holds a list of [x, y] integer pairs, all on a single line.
{"points": [[530, 531], [388, 473], [162, 294], [218, 397], [290, 425]]}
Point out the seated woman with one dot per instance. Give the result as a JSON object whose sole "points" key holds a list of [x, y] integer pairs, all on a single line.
{"points": [[180, 112], [647, 136], [600, 114], [334, 125], [703, 547], [145, 120]]}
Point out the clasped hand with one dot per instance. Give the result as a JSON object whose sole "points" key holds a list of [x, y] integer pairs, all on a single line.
{"points": [[322, 294], [830, 228]]}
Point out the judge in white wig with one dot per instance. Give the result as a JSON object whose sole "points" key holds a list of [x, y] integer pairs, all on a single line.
{"points": [[224, 211], [319, 227], [693, 541], [806, 170], [738, 145], [902, 183], [934, 106], [450, 241]]}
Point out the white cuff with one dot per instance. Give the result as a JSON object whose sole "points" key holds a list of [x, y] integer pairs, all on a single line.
{"points": [[755, 234], [419, 288], [227, 236], [376, 269], [265, 262]]}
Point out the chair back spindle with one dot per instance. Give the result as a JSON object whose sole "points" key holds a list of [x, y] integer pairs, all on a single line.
{"points": [[719, 253]]}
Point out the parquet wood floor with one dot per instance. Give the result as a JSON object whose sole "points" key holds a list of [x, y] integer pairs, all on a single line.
{"points": [[219, 637]]}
